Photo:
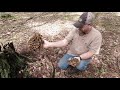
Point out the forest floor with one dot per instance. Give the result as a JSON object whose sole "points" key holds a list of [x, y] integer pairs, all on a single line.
{"points": [[19, 27]]}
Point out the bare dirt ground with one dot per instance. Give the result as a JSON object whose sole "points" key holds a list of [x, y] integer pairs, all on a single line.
{"points": [[53, 26]]}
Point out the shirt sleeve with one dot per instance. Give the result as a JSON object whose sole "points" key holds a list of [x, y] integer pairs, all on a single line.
{"points": [[96, 44], [70, 36]]}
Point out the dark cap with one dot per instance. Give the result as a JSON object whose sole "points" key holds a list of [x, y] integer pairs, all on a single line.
{"points": [[85, 18]]}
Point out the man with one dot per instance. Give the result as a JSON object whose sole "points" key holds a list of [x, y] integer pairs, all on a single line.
{"points": [[85, 42]]}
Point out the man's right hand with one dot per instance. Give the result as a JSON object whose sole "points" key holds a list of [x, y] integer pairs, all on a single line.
{"points": [[46, 44]]}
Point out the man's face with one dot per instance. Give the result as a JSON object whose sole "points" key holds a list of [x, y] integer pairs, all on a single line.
{"points": [[85, 28]]}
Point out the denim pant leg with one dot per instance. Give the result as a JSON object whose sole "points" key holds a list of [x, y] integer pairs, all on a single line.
{"points": [[83, 64], [63, 63]]}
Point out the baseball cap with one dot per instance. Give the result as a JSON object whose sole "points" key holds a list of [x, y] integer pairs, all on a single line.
{"points": [[85, 18]]}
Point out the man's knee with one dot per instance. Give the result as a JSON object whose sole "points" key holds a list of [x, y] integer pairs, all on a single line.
{"points": [[82, 68], [62, 66], [83, 65]]}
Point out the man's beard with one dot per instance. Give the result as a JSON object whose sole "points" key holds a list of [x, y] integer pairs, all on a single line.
{"points": [[81, 33]]}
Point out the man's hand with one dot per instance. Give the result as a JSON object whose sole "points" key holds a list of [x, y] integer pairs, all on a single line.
{"points": [[77, 58], [74, 61], [46, 44]]}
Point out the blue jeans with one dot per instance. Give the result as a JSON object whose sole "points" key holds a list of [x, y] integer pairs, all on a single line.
{"points": [[63, 63]]}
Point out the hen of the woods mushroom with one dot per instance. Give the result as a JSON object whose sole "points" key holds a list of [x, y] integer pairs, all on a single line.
{"points": [[73, 62], [36, 42]]}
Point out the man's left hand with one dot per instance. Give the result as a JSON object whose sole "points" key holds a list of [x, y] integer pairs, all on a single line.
{"points": [[77, 58]]}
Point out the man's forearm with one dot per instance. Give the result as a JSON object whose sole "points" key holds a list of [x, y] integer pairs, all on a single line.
{"points": [[61, 43], [86, 55]]}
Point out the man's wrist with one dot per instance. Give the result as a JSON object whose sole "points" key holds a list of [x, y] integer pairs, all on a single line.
{"points": [[80, 58]]}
